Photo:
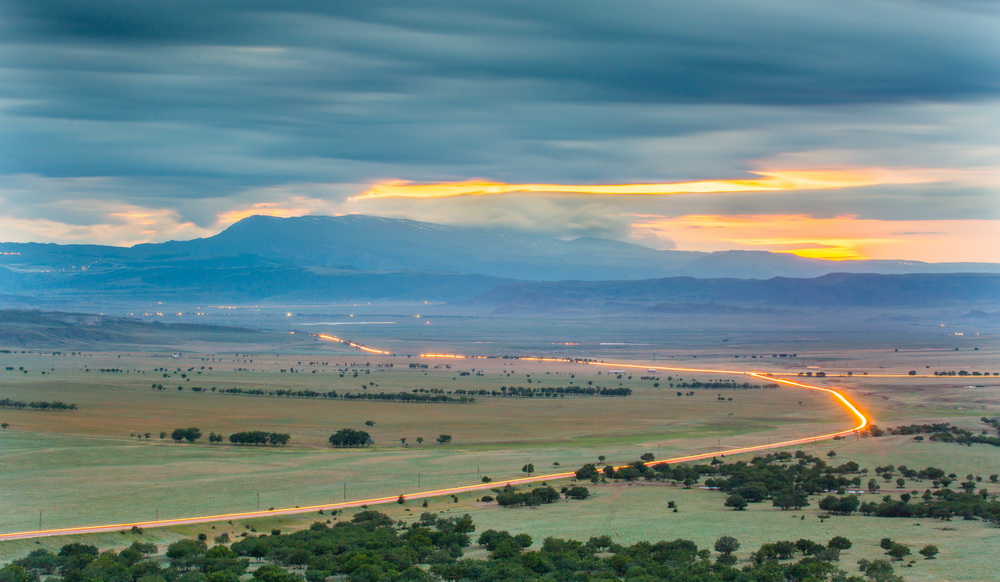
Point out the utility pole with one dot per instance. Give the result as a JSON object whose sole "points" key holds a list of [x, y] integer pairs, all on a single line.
{"points": [[258, 502], [418, 480], [39, 520], [157, 515], [345, 490]]}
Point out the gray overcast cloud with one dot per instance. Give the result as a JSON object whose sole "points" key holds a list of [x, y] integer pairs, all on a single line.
{"points": [[191, 109]]}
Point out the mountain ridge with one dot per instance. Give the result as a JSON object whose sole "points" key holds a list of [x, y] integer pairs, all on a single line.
{"points": [[369, 257], [835, 290]]}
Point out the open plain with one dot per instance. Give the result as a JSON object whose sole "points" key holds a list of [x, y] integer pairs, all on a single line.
{"points": [[106, 461]]}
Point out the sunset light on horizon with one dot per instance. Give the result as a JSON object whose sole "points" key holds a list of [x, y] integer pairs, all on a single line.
{"points": [[839, 238], [775, 180]]}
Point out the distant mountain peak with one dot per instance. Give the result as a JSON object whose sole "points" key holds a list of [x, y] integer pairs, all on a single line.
{"points": [[315, 254]]}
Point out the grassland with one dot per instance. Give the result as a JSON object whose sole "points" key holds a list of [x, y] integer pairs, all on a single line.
{"points": [[83, 467], [93, 468], [635, 512]]}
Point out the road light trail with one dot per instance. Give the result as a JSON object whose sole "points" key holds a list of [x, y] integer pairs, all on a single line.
{"points": [[862, 422], [363, 348]]}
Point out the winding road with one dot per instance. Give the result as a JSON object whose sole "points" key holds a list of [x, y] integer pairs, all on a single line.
{"points": [[838, 399]]}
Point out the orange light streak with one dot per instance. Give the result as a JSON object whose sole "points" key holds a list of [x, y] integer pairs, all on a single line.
{"points": [[862, 419], [331, 338], [772, 180], [369, 350]]}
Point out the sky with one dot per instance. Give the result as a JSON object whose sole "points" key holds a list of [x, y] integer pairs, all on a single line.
{"points": [[839, 129]]}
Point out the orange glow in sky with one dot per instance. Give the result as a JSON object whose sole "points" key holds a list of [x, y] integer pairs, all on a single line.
{"points": [[837, 238], [261, 208], [769, 181]]}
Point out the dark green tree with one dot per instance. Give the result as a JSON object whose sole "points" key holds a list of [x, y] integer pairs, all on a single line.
{"points": [[737, 502], [189, 434], [898, 551], [13, 573], [349, 437], [790, 500], [727, 545], [586, 472]]}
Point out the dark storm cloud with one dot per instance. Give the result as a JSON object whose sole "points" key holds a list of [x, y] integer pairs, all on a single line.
{"points": [[731, 52], [200, 99]]}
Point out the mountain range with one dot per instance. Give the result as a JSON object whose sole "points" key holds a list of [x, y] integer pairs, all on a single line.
{"points": [[319, 258], [836, 291]]}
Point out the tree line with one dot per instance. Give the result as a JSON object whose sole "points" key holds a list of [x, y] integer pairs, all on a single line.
{"points": [[554, 392], [36, 405], [259, 437], [250, 437], [508, 496], [334, 395], [948, 433], [349, 437], [723, 385]]}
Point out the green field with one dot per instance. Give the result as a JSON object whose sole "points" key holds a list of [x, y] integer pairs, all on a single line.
{"points": [[94, 469], [94, 465]]}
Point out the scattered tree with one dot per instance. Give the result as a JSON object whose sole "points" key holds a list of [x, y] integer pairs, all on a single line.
{"points": [[878, 570], [737, 502], [727, 545], [898, 551]]}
